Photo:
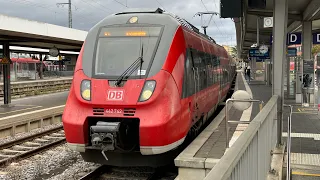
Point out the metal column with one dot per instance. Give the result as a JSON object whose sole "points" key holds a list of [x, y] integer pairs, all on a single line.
{"points": [[306, 50], [254, 61], [288, 77], [41, 66], [306, 39], [6, 75], [280, 18]]}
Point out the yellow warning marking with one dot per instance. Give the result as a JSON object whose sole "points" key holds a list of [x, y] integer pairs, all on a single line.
{"points": [[4, 60], [9, 112], [305, 174]]}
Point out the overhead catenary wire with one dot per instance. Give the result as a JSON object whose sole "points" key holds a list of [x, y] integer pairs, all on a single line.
{"points": [[98, 3], [93, 6], [160, 4], [212, 15], [125, 5], [49, 7]]}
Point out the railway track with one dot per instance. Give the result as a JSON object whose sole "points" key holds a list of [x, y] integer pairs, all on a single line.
{"points": [[130, 173], [30, 145]]}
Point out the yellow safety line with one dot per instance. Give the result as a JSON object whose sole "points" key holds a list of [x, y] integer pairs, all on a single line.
{"points": [[305, 174], [20, 110]]}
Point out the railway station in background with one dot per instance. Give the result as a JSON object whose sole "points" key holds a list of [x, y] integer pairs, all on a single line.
{"points": [[269, 128]]}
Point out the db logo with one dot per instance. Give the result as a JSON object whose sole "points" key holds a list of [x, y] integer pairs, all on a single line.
{"points": [[116, 95]]}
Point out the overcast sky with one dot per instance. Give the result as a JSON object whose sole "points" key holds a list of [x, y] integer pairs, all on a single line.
{"points": [[86, 13]]}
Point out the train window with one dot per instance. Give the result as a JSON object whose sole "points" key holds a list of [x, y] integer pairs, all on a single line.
{"points": [[202, 71], [120, 47], [188, 78], [208, 69]]}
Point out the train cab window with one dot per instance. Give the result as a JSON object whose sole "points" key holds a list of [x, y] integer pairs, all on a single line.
{"points": [[119, 47]]}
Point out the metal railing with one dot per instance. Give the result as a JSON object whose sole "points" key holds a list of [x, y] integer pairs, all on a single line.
{"points": [[289, 143], [250, 156], [237, 122]]}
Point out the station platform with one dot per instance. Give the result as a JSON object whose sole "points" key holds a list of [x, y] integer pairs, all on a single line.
{"points": [[305, 134], [206, 150], [38, 80], [33, 103], [305, 141]]}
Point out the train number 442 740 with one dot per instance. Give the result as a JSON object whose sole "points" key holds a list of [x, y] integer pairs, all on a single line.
{"points": [[114, 111]]}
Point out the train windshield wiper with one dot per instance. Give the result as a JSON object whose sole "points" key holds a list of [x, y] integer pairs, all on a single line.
{"points": [[133, 67]]}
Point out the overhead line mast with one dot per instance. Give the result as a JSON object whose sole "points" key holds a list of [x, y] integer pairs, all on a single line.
{"points": [[203, 25], [70, 12]]}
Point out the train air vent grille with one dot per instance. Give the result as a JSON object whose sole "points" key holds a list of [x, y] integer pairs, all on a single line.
{"points": [[129, 111], [98, 111]]}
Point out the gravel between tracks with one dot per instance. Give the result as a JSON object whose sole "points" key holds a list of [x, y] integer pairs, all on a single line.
{"points": [[58, 163], [32, 132]]}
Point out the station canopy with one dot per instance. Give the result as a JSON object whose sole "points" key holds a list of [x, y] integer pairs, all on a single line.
{"points": [[27, 33], [298, 11]]}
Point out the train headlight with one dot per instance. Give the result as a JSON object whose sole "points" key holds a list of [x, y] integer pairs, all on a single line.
{"points": [[86, 89], [147, 90]]}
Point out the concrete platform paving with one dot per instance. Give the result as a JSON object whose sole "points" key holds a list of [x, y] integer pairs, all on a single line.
{"points": [[38, 80], [33, 103]]}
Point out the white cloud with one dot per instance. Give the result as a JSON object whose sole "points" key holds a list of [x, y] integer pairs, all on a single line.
{"points": [[86, 13]]}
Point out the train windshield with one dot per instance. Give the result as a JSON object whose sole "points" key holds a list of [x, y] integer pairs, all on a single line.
{"points": [[119, 47]]}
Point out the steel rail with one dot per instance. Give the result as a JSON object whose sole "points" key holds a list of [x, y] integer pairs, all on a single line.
{"points": [[31, 152]]}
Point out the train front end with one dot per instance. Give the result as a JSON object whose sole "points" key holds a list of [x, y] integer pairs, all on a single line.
{"points": [[122, 105]]}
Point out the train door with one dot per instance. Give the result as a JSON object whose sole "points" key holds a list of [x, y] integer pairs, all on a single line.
{"points": [[196, 80]]}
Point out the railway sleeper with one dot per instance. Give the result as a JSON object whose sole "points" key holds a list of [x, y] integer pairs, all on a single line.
{"points": [[41, 141], [31, 144], [6, 156], [52, 137], [12, 151], [22, 147], [57, 135]]}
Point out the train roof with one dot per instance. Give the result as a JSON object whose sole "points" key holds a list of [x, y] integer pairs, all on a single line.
{"points": [[182, 21]]}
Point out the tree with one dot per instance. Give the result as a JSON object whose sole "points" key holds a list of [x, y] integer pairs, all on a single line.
{"points": [[315, 49], [234, 52]]}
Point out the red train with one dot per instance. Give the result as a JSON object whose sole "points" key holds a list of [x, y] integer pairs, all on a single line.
{"points": [[143, 82]]}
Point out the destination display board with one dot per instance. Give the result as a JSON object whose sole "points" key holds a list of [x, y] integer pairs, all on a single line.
{"points": [[255, 52]]}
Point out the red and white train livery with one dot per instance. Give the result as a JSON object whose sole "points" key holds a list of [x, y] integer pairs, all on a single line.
{"points": [[144, 80]]}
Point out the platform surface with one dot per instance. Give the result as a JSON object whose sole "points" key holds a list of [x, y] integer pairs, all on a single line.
{"points": [[305, 137], [33, 103], [38, 80], [208, 148], [305, 142]]}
